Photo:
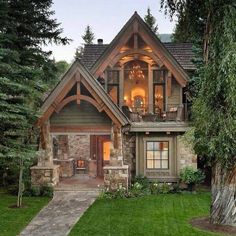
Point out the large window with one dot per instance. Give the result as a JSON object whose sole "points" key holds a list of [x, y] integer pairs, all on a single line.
{"points": [[113, 85], [159, 79], [157, 154]]}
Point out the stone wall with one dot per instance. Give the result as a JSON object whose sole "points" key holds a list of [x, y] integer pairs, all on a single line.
{"points": [[186, 155], [79, 146], [129, 152], [45, 175], [116, 177]]}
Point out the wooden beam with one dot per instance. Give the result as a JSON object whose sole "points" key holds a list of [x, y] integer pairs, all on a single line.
{"points": [[79, 129], [135, 41], [78, 88]]}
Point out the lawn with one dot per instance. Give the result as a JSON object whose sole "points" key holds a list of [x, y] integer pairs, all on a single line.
{"points": [[161, 215], [13, 220]]}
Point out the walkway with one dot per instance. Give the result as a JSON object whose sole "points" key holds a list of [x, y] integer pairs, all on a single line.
{"points": [[63, 211]]}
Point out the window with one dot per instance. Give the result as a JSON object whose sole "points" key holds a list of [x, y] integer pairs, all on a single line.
{"points": [[113, 85], [157, 154], [159, 78]]}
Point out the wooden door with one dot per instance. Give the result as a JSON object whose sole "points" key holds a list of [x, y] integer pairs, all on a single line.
{"points": [[100, 157], [97, 151]]}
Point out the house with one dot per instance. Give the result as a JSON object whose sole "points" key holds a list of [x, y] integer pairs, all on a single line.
{"points": [[118, 112]]}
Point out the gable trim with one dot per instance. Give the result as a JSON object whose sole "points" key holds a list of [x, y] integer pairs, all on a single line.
{"points": [[77, 73], [147, 34]]}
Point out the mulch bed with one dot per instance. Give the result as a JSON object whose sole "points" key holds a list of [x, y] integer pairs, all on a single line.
{"points": [[204, 224]]}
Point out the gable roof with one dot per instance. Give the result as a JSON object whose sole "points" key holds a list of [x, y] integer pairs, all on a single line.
{"points": [[69, 79], [136, 25], [182, 52]]}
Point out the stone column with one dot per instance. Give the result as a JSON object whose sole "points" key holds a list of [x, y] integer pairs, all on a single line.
{"points": [[116, 175], [45, 172]]}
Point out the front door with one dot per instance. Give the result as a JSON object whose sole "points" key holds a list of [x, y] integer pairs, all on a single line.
{"points": [[101, 146]]}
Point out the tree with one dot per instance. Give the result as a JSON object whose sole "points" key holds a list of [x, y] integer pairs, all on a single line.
{"points": [[25, 71], [88, 36], [150, 20], [214, 104], [61, 67]]}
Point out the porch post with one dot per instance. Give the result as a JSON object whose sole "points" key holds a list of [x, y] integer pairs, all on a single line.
{"points": [[45, 172], [116, 175]]}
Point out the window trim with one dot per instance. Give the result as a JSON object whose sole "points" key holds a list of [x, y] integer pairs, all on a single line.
{"points": [[168, 160]]}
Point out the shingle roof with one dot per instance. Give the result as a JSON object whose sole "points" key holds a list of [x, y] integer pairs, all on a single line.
{"points": [[182, 52]]}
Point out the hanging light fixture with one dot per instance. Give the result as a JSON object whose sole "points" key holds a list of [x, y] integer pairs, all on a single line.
{"points": [[136, 73]]}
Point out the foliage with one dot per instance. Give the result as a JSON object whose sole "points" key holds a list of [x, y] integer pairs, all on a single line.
{"points": [[39, 191], [164, 214], [88, 35], [12, 221], [141, 187], [25, 73], [61, 67], [189, 175], [150, 20]]}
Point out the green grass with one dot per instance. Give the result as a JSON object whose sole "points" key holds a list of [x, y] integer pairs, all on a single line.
{"points": [[13, 220], [163, 215]]}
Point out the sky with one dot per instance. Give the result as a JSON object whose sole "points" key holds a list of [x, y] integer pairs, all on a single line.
{"points": [[106, 17]]}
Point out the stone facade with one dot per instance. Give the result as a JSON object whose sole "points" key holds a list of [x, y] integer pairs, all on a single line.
{"points": [[186, 155], [79, 146], [67, 167], [48, 175], [129, 147], [116, 177]]}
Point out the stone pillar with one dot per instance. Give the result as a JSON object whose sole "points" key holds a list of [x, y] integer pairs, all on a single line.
{"points": [[116, 175], [45, 173]]}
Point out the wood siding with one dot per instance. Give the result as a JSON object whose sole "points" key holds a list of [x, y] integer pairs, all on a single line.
{"points": [[84, 114], [175, 98]]}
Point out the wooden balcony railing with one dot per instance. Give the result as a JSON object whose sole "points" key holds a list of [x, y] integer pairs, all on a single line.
{"points": [[141, 114]]}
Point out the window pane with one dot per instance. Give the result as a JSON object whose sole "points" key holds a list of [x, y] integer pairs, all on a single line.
{"points": [[149, 145], [113, 77], [149, 164], [157, 155], [164, 164], [149, 154], [156, 146], [157, 164], [159, 76], [165, 155], [158, 98], [165, 145]]}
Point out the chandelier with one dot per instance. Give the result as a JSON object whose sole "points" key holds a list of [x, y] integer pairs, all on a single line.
{"points": [[136, 73]]}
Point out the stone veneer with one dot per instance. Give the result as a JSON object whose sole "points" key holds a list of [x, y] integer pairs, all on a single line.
{"points": [[186, 155], [45, 175], [116, 177], [67, 167], [79, 146], [129, 146]]}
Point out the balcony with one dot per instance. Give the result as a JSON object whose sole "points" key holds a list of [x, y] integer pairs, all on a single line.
{"points": [[175, 113]]}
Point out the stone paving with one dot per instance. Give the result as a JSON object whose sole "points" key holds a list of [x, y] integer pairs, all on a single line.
{"points": [[62, 212]]}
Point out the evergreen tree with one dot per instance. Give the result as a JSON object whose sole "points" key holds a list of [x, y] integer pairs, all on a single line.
{"points": [[150, 20], [88, 36], [214, 108], [25, 71]]}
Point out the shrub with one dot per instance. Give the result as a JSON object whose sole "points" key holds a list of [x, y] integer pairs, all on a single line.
{"points": [[191, 176], [141, 180], [46, 191]]}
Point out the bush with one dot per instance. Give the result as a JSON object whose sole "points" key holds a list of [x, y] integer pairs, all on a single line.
{"points": [[46, 191], [141, 180], [191, 176]]}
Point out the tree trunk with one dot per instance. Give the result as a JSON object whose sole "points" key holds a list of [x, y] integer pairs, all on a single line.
{"points": [[223, 208], [20, 186]]}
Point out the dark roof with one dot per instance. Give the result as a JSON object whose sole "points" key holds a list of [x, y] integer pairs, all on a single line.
{"points": [[182, 52], [91, 53]]}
